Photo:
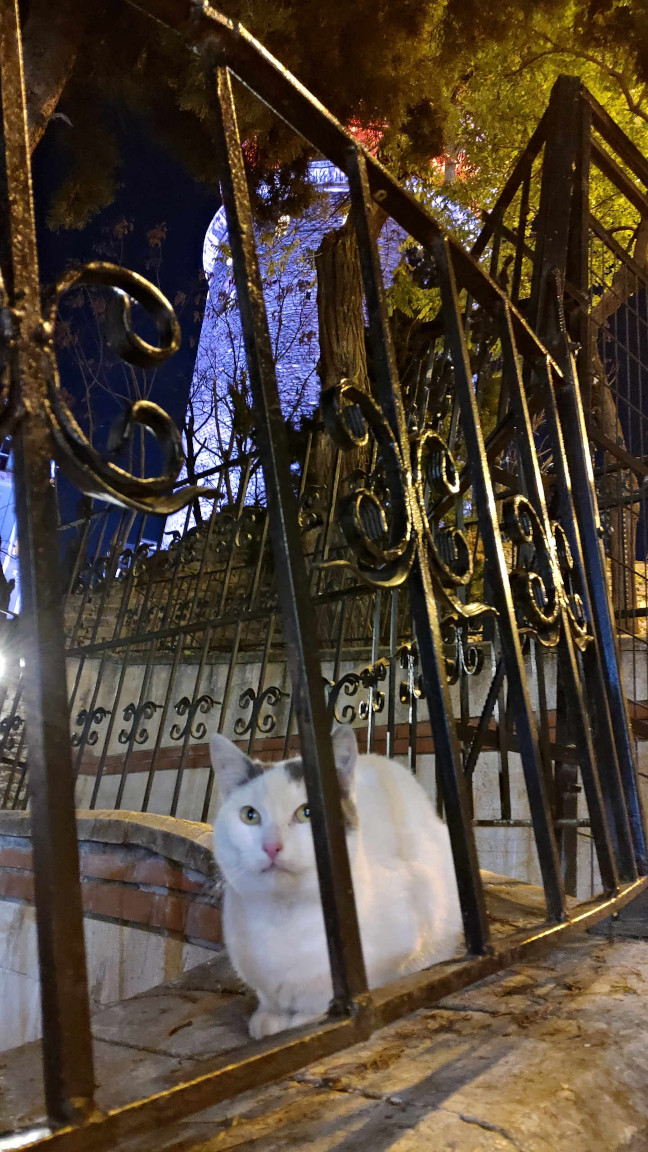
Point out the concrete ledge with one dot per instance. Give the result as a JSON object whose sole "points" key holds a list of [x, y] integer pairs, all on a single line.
{"points": [[139, 870]]}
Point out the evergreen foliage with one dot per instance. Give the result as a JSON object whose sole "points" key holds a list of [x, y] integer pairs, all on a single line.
{"points": [[455, 79]]}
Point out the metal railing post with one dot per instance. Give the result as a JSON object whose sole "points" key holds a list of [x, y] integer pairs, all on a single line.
{"points": [[67, 1044]]}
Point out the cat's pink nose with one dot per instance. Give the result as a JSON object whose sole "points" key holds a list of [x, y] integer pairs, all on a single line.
{"points": [[273, 848]]}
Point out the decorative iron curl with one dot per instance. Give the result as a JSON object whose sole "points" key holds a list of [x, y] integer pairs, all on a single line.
{"points": [[8, 726], [85, 720], [184, 707], [350, 684], [380, 531], [347, 685], [145, 711], [270, 697], [72, 450], [467, 658], [571, 599], [534, 582], [434, 465]]}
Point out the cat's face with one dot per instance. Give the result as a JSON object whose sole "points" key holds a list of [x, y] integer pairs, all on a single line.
{"points": [[262, 835]]}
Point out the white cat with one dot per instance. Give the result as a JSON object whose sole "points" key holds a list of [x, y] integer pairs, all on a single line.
{"points": [[403, 877]]}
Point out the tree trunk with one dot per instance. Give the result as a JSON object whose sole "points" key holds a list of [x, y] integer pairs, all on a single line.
{"points": [[51, 38], [340, 310]]}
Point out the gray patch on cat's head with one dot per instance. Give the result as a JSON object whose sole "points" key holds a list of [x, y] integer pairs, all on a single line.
{"points": [[232, 766], [294, 769], [254, 769]]}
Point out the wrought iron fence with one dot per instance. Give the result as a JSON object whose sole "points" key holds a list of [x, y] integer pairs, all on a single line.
{"points": [[445, 537]]}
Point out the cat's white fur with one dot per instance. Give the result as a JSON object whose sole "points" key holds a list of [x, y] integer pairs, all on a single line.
{"points": [[401, 863]]}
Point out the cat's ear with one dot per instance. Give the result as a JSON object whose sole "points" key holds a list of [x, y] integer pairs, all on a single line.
{"points": [[232, 767], [345, 751]]}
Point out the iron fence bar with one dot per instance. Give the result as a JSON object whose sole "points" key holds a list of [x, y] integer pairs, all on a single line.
{"points": [[570, 410], [67, 1044], [353, 592], [609, 168], [616, 138], [8, 722], [521, 171], [81, 547], [562, 247], [88, 589], [521, 233], [121, 539], [374, 689], [594, 682], [601, 232], [575, 700], [477, 744], [422, 598], [347, 963], [544, 733], [499, 580], [393, 673], [243, 483]]}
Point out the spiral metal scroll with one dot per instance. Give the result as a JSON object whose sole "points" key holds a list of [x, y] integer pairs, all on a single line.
{"points": [[381, 529], [269, 698], [81, 462], [542, 578], [137, 713], [465, 657], [571, 599], [185, 707], [350, 684]]}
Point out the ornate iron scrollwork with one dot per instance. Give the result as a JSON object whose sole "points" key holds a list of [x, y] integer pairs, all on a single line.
{"points": [[533, 575], [10, 726], [350, 684], [137, 713], [378, 518], [467, 657], [412, 688], [185, 707], [270, 697], [571, 598], [542, 576], [379, 530], [73, 451], [85, 720]]}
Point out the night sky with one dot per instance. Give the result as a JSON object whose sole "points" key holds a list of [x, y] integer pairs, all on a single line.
{"points": [[169, 213]]}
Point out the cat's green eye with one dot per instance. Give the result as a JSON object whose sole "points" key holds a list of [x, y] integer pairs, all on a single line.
{"points": [[249, 815], [302, 815]]}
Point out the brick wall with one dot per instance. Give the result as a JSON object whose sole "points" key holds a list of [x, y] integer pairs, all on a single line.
{"points": [[140, 871]]}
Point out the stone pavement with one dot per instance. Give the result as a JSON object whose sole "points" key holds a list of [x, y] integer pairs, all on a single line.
{"points": [[550, 1056]]}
